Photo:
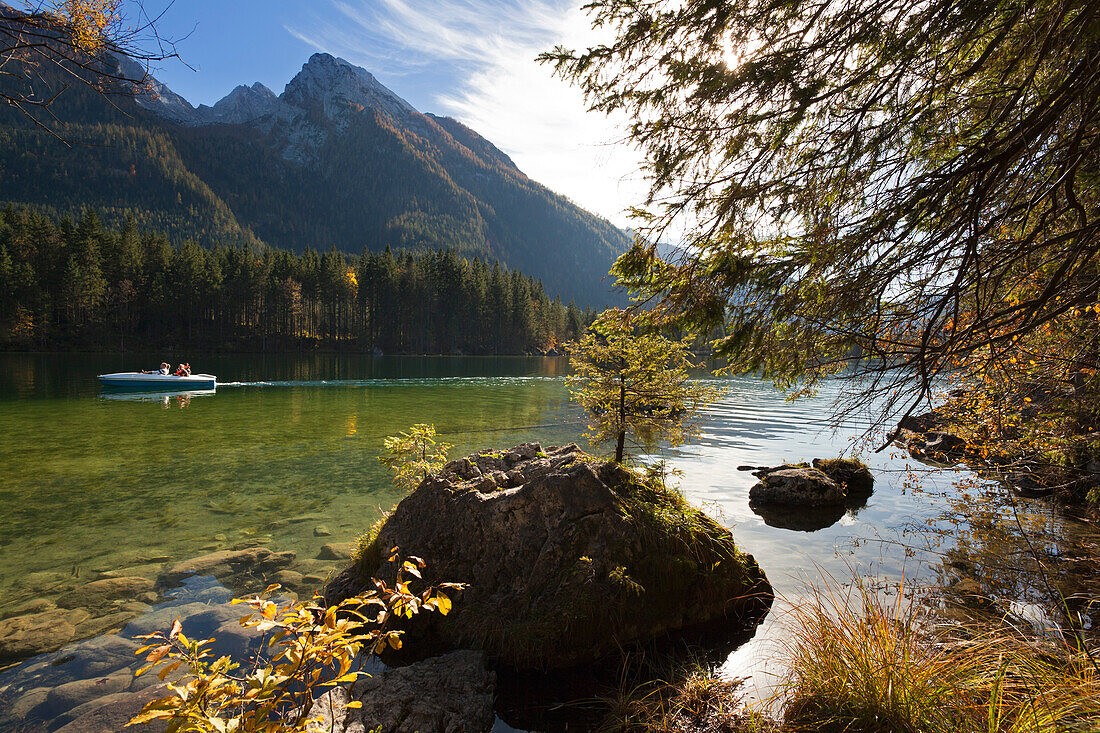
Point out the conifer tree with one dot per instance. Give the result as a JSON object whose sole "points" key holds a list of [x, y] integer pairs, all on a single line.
{"points": [[631, 380], [879, 188]]}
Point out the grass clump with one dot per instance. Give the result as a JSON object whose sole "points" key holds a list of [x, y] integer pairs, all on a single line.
{"points": [[666, 695], [859, 662], [368, 555]]}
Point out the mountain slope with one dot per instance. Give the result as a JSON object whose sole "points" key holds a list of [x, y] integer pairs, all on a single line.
{"points": [[336, 160]]}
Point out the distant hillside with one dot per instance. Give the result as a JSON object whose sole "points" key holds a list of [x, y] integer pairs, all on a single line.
{"points": [[336, 160]]}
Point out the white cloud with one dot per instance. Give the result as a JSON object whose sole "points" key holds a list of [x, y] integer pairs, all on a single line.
{"points": [[489, 47]]}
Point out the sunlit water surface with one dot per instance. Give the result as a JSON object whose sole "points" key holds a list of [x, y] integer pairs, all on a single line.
{"points": [[284, 453]]}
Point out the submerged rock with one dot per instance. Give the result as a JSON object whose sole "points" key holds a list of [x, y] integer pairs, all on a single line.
{"points": [[111, 713], [227, 562], [575, 560], [100, 592], [336, 551], [35, 605], [38, 633], [449, 694], [70, 695]]}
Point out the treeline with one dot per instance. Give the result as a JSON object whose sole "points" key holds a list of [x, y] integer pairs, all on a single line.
{"points": [[83, 285]]}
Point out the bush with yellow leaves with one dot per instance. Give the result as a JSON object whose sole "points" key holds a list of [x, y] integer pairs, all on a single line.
{"points": [[305, 649]]}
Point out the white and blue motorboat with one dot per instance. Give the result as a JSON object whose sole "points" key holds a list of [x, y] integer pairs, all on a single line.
{"points": [[157, 382]]}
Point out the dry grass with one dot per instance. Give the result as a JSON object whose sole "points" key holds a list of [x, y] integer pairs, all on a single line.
{"points": [[665, 695], [861, 662]]}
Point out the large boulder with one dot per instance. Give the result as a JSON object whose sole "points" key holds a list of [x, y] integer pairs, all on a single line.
{"points": [[565, 559], [449, 694]]}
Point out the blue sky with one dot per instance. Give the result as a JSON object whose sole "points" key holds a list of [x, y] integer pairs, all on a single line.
{"points": [[469, 59]]}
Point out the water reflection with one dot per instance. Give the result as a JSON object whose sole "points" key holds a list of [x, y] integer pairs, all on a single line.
{"points": [[165, 399], [799, 518], [808, 518]]}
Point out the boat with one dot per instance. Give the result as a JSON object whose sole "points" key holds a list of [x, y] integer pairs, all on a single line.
{"points": [[157, 382]]}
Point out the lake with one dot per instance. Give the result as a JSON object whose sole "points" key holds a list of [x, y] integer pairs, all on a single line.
{"points": [[283, 455]]}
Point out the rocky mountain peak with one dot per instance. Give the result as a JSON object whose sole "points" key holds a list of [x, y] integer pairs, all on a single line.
{"points": [[243, 104], [154, 96], [337, 87]]}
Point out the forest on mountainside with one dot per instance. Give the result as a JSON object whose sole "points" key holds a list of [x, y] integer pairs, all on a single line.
{"points": [[421, 183], [82, 285]]}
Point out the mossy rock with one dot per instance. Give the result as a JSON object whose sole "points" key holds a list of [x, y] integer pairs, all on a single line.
{"points": [[853, 475], [565, 568]]}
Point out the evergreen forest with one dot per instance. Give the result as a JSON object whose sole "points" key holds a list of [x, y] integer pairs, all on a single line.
{"points": [[82, 285]]}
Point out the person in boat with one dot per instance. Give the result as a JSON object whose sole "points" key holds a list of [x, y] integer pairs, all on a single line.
{"points": [[184, 370], [164, 369]]}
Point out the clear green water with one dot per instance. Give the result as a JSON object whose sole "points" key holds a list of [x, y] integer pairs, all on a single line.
{"points": [[93, 480], [286, 448]]}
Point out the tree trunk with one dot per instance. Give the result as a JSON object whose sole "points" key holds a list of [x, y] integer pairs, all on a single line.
{"points": [[622, 421]]}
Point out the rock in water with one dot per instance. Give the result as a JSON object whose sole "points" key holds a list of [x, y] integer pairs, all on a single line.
{"points": [[570, 561], [807, 499], [853, 476], [226, 562], [101, 592], [808, 487], [37, 633], [448, 694]]}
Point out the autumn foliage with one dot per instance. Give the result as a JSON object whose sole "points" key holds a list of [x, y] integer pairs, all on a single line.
{"points": [[305, 648]]}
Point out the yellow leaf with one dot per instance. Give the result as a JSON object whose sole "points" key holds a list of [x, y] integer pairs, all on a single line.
{"points": [[147, 715], [354, 704], [443, 603]]}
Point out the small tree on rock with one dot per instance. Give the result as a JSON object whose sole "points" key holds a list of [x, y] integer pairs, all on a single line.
{"points": [[632, 380], [414, 455]]}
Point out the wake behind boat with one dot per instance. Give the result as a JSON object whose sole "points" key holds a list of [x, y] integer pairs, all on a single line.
{"points": [[138, 380]]}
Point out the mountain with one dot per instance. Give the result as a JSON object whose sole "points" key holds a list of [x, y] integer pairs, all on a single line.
{"points": [[336, 160]]}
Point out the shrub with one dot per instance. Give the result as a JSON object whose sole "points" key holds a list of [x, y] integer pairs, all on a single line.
{"points": [[308, 648]]}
